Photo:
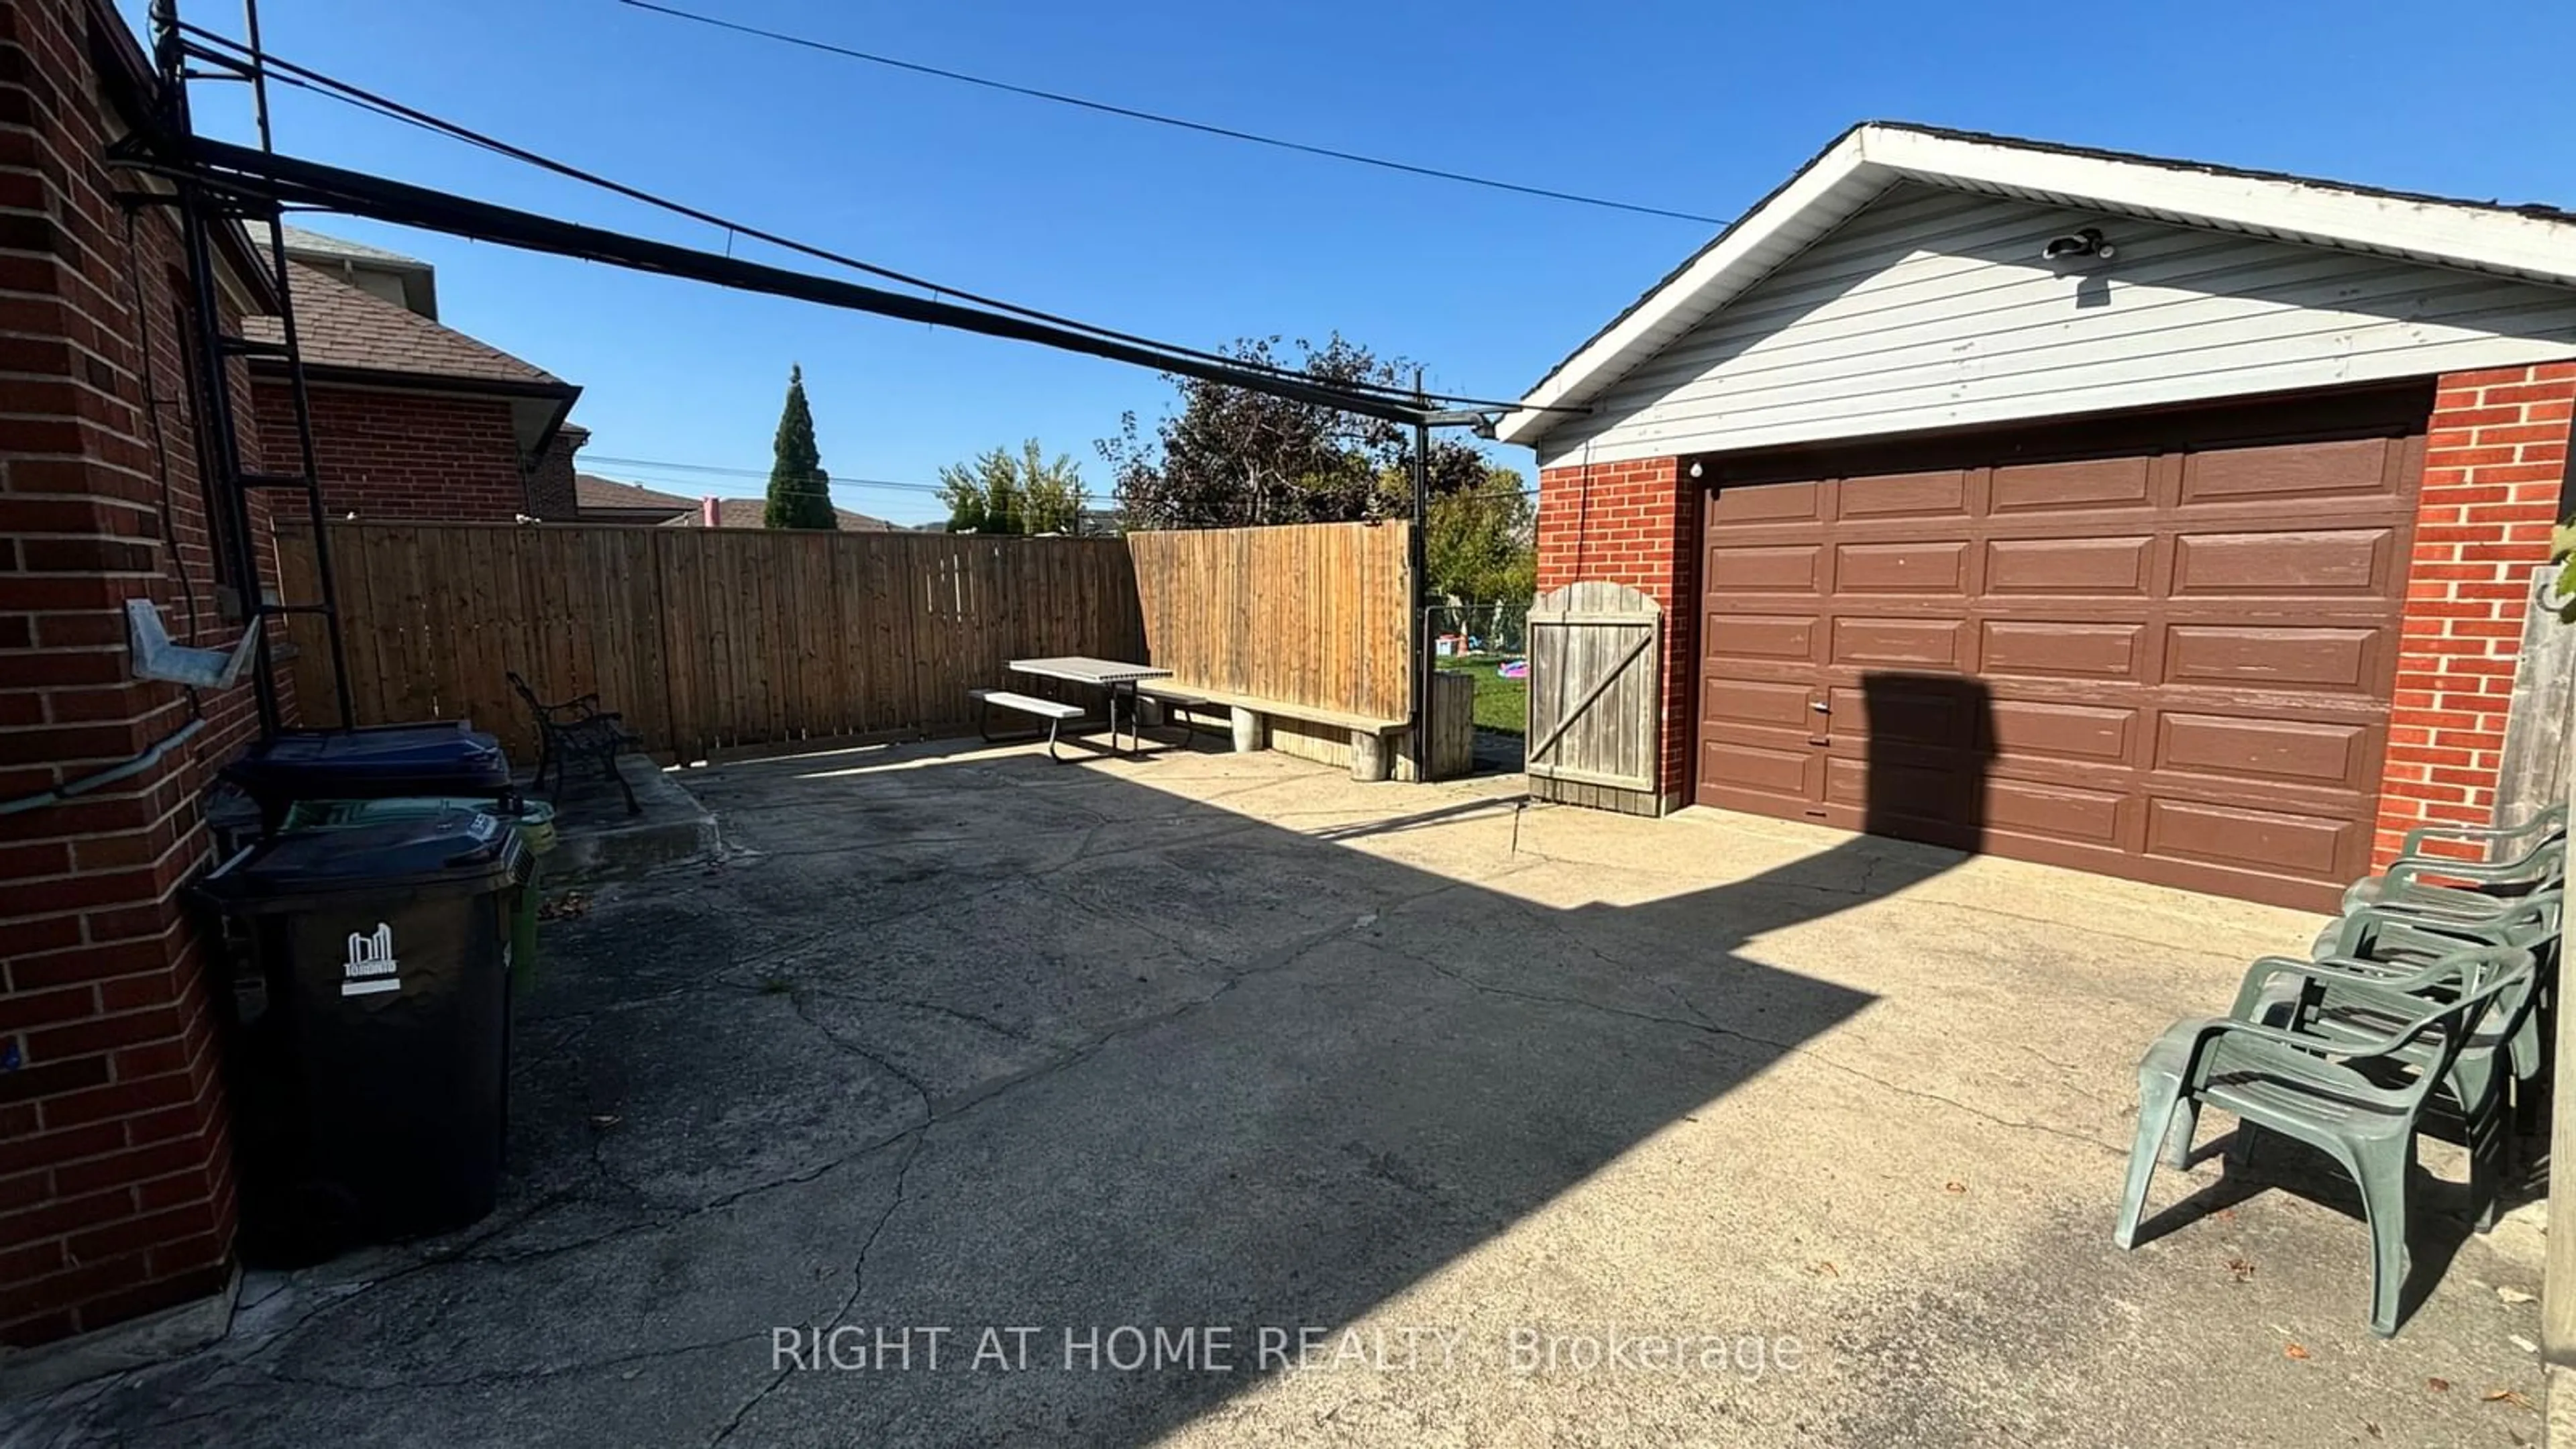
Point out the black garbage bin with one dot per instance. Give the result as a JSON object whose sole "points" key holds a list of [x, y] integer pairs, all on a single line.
{"points": [[368, 1045], [445, 757]]}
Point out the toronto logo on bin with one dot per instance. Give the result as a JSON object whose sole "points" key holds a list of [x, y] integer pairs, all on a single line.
{"points": [[371, 964]]}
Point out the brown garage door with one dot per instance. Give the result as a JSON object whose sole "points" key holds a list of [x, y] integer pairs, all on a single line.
{"points": [[2156, 647]]}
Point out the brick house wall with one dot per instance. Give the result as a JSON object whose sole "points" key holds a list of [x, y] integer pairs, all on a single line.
{"points": [[116, 1196], [390, 455], [2495, 475], [2495, 467], [1634, 523]]}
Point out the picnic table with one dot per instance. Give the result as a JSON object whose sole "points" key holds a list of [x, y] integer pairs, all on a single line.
{"points": [[1114, 675]]}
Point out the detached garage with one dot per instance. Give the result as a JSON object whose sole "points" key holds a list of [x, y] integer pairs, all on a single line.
{"points": [[2140, 516]]}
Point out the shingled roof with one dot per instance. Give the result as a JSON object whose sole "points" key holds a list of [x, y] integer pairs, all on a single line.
{"points": [[749, 512], [343, 329], [592, 491]]}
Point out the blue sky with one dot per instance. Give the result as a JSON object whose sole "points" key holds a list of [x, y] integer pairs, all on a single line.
{"points": [[1696, 106]]}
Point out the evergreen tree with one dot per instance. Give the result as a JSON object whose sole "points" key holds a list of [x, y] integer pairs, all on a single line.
{"points": [[800, 492]]}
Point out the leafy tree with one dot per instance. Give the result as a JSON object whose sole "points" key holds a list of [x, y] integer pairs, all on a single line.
{"points": [[1478, 541], [997, 492], [800, 492], [1230, 457]]}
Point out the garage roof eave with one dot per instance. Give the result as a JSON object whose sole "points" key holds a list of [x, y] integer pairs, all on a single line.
{"points": [[2534, 243]]}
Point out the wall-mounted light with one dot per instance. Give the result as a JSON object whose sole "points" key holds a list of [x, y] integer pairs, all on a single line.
{"points": [[1695, 470], [2085, 243]]}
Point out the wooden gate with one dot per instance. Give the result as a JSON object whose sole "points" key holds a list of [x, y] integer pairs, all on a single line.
{"points": [[1595, 697]]}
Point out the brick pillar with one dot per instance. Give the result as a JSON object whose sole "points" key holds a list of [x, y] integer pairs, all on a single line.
{"points": [[2495, 465], [1633, 523], [552, 494]]}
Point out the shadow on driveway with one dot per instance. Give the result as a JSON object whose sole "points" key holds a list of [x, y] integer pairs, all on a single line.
{"points": [[988, 1041]]}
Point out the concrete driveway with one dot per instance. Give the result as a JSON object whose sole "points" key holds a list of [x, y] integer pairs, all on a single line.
{"points": [[1215, 1099]]}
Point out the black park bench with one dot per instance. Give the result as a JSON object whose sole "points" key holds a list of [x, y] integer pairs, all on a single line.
{"points": [[578, 729]]}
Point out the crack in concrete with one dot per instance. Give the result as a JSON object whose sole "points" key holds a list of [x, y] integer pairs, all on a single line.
{"points": [[935, 1008], [858, 1283]]}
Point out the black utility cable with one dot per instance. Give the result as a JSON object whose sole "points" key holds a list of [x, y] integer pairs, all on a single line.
{"points": [[331, 87], [1202, 127]]}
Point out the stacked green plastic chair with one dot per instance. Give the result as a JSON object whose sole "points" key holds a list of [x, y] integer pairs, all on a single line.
{"points": [[2432, 989]]}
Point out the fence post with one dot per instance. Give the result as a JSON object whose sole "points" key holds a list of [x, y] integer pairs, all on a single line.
{"points": [[2558, 1270], [2532, 771]]}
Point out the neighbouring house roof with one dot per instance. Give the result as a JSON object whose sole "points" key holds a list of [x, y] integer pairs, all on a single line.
{"points": [[2533, 243], [748, 513], [342, 329], [592, 493], [300, 240], [408, 281]]}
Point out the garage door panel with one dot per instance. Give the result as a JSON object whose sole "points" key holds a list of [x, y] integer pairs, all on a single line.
{"points": [[2086, 733], [2170, 662], [1760, 636], [1770, 503], [2053, 812], [1776, 569], [2353, 562], [1756, 702], [2046, 647], [1906, 495], [2270, 841], [2084, 566], [1917, 801], [1925, 566], [2274, 657], [1785, 772], [2300, 752], [1898, 643], [2353, 468], [1946, 714], [2098, 483]]}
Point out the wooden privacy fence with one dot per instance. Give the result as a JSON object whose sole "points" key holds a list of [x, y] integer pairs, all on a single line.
{"points": [[703, 638], [1311, 615]]}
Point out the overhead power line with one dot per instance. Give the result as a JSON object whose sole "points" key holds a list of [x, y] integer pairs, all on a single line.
{"points": [[332, 88], [666, 466], [1202, 127]]}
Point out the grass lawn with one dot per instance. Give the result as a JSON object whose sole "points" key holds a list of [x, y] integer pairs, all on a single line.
{"points": [[1502, 705]]}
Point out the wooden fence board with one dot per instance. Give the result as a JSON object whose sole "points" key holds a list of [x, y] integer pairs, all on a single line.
{"points": [[702, 639], [1313, 614]]}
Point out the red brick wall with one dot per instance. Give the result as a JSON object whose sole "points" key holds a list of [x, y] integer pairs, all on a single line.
{"points": [[388, 455], [115, 1180], [1637, 524], [552, 493], [2495, 463]]}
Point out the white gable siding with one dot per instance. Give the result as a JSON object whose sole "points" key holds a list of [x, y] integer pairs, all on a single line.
{"points": [[1931, 308]]}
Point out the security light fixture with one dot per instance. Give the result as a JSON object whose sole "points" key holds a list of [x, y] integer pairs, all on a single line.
{"points": [[2085, 243]]}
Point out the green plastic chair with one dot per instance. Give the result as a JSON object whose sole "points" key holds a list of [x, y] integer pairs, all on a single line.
{"points": [[2357, 1101], [2513, 861], [2385, 971], [2403, 950]]}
